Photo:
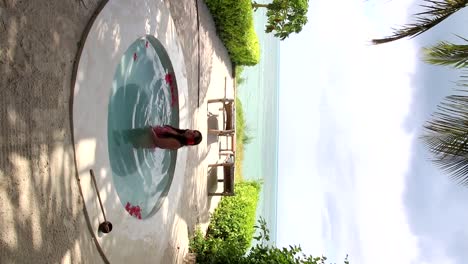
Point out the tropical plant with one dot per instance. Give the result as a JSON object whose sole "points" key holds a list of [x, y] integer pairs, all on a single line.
{"points": [[284, 16], [243, 132], [447, 136], [231, 228], [446, 53], [435, 11], [215, 250], [447, 133], [235, 26], [240, 79], [247, 138], [264, 253]]}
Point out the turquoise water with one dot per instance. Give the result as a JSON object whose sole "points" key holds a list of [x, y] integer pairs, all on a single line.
{"points": [[259, 96], [144, 94]]}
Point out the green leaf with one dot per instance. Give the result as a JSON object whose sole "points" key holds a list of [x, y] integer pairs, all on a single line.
{"points": [[446, 137], [435, 11]]}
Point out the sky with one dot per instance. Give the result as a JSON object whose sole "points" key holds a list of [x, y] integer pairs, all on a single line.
{"points": [[353, 176]]}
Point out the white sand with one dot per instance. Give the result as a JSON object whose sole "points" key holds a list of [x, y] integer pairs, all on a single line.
{"points": [[41, 211]]}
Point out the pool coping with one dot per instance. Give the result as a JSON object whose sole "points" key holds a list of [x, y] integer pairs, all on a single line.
{"points": [[89, 211], [76, 62]]}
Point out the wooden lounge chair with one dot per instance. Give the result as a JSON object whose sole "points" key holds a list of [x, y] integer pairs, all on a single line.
{"points": [[228, 117], [228, 130], [228, 177]]}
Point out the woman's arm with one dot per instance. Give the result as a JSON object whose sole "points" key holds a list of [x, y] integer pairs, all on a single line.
{"points": [[163, 131], [170, 130], [161, 139], [168, 143]]}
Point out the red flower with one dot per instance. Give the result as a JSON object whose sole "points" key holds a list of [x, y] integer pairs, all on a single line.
{"points": [[135, 56], [146, 44], [168, 78], [133, 210]]}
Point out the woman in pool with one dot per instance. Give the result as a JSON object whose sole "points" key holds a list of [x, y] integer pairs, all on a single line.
{"points": [[164, 137]]}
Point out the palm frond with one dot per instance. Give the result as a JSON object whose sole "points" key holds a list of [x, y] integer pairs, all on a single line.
{"points": [[435, 11], [448, 54], [447, 137]]}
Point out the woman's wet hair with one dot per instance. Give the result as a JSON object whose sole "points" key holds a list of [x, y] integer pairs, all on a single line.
{"points": [[198, 137]]}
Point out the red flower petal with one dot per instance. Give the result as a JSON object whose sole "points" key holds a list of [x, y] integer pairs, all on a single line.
{"points": [[135, 56], [168, 78]]}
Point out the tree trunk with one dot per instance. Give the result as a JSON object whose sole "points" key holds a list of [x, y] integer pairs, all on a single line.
{"points": [[255, 5]]}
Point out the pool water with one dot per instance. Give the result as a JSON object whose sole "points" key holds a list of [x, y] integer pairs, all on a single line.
{"points": [[144, 93]]}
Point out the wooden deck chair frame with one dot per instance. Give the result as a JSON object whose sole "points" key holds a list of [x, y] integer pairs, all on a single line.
{"points": [[228, 177], [228, 129]]}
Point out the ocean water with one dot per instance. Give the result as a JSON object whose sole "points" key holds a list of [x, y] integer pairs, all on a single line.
{"points": [[259, 96]]}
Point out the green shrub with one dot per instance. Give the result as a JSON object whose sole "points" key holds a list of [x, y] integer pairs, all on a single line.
{"points": [[239, 78], [235, 26], [231, 228], [242, 130], [240, 121], [215, 250], [263, 253], [219, 251], [234, 218]]}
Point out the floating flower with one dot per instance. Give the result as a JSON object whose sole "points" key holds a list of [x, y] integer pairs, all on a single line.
{"points": [[168, 78], [133, 210], [135, 56]]}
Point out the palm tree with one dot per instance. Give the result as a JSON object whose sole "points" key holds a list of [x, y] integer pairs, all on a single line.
{"points": [[447, 132], [448, 54], [447, 136], [435, 12]]}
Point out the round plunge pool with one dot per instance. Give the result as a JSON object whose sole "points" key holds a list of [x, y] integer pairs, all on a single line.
{"points": [[143, 95]]}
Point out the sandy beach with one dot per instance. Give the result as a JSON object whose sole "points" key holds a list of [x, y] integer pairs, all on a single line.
{"points": [[43, 216]]}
